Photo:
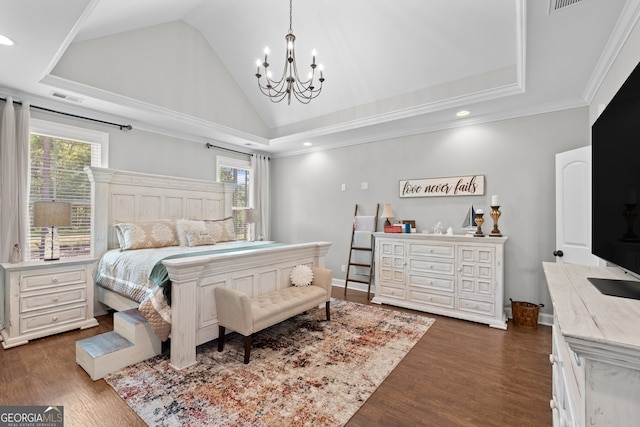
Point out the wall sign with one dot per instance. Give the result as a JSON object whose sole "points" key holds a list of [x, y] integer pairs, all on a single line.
{"points": [[472, 185]]}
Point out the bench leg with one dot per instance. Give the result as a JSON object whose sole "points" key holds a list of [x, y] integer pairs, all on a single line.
{"points": [[220, 337], [327, 304], [247, 348]]}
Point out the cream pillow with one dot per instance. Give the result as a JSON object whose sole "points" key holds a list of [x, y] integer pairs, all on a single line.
{"points": [[199, 238], [147, 234], [222, 230], [189, 226], [301, 275]]}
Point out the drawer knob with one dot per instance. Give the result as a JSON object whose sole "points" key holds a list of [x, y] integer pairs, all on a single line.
{"points": [[55, 298], [553, 359], [553, 404], [55, 318], [54, 280]]}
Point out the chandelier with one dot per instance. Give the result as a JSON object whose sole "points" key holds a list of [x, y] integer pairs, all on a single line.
{"points": [[290, 83]]}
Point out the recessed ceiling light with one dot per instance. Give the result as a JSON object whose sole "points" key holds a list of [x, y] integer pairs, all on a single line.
{"points": [[307, 144], [462, 113], [4, 40]]}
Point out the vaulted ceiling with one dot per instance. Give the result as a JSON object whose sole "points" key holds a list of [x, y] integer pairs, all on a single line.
{"points": [[392, 68]]}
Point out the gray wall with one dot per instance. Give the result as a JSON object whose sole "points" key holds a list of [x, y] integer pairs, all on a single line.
{"points": [[141, 151], [516, 156]]}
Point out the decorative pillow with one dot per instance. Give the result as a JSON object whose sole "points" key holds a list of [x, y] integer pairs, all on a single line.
{"points": [[222, 230], [148, 234], [199, 238], [189, 226], [301, 275]]}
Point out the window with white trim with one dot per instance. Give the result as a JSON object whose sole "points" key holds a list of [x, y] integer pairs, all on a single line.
{"points": [[58, 155], [237, 172]]}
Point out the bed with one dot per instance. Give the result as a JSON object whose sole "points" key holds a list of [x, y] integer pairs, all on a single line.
{"points": [[254, 268]]}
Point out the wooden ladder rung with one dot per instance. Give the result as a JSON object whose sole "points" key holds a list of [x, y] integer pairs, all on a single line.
{"points": [[356, 248], [360, 264], [358, 281]]}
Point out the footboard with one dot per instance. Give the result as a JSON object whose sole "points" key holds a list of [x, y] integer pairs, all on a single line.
{"points": [[253, 272]]}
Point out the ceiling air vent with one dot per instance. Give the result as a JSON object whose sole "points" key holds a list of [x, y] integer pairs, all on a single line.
{"points": [[556, 5], [65, 96]]}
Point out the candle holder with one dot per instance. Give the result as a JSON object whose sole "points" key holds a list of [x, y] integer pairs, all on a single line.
{"points": [[495, 214], [630, 215], [479, 221]]}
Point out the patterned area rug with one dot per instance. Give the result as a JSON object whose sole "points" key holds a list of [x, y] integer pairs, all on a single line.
{"points": [[303, 372]]}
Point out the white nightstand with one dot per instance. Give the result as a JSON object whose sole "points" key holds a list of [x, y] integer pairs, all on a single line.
{"points": [[45, 298]]}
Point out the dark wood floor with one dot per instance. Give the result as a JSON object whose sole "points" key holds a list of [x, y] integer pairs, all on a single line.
{"points": [[459, 374]]}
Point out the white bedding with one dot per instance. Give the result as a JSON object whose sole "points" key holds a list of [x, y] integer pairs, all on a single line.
{"points": [[127, 272]]}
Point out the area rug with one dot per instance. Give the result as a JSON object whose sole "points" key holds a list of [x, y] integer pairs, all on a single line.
{"points": [[303, 372]]}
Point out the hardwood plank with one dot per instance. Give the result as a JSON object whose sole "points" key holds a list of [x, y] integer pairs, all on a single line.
{"points": [[459, 374]]}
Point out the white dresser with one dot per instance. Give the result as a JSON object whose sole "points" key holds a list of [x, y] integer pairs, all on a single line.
{"points": [[457, 276], [44, 298], [596, 350]]}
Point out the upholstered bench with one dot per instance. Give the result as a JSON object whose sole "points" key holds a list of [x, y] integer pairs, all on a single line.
{"points": [[246, 315]]}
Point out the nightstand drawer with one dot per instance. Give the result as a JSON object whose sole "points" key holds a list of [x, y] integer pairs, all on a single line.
{"points": [[50, 277], [51, 319], [52, 299]]}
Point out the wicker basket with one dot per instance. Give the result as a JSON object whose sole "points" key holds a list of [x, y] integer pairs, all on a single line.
{"points": [[525, 314]]}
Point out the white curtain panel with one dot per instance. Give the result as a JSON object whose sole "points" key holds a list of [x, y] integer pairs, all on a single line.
{"points": [[15, 174], [260, 168]]}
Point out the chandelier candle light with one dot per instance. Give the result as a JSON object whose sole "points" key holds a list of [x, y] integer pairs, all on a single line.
{"points": [[290, 83]]}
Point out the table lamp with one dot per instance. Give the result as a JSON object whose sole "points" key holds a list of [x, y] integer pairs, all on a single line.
{"points": [[386, 213], [51, 214], [250, 218]]}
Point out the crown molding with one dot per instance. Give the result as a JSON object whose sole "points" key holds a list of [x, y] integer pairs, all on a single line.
{"points": [[627, 21]]}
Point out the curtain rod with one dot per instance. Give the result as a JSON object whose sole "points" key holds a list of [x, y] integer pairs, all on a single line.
{"points": [[209, 145], [122, 127]]}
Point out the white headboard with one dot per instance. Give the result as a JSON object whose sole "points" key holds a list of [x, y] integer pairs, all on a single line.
{"points": [[120, 196]]}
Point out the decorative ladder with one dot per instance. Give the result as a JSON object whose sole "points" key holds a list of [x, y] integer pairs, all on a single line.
{"points": [[131, 341], [361, 226]]}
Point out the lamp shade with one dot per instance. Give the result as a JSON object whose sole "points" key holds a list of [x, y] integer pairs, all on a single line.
{"points": [[250, 216], [386, 213], [51, 214]]}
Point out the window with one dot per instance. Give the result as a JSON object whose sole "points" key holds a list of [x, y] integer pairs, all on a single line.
{"points": [[237, 172], [59, 154]]}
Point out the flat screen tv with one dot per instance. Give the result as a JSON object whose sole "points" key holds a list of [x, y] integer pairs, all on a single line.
{"points": [[616, 186]]}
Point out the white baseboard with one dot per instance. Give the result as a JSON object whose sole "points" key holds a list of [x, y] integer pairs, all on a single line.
{"points": [[353, 285]]}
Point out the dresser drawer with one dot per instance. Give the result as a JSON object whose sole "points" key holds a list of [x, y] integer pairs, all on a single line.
{"points": [[52, 277], [427, 265], [52, 299], [52, 318], [440, 300], [432, 282], [473, 306], [432, 250], [391, 291]]}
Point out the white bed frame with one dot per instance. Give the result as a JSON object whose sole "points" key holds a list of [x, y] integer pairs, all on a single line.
{"points": [[121, 196]]}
